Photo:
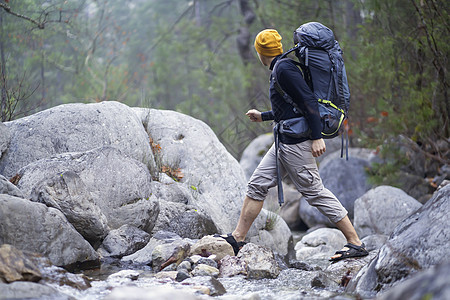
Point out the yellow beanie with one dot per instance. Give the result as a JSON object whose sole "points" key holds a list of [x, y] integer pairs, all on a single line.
{"points": [[268, 43]]}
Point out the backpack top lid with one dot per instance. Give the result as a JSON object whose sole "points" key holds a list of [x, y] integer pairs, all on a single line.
{"points": [[314, 34]]}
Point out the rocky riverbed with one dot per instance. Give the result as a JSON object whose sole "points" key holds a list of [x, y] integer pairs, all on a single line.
{"points": [[104, 201]]}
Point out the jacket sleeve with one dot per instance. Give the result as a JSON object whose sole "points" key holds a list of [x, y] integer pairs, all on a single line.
{"points": [[292, 82], [267, 115]]}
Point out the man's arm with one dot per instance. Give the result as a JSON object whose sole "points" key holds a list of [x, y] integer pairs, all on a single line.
{"points": [[292, 82], [257, 116]]}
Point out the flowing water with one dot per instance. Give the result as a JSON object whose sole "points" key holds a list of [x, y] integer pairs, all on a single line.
{"points": [[289, 285]]}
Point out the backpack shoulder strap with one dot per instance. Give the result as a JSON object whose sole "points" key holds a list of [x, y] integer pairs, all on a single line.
{"points": [[278, 87]]}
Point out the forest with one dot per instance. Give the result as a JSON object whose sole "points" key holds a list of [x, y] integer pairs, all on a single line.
{"points": [[197, 57]]}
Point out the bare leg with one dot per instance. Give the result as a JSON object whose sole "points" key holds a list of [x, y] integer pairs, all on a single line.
{"points": [[250, 210], [349, 232]]}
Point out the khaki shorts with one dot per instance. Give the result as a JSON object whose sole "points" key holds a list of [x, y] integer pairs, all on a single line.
{"points": [[297, 162]]}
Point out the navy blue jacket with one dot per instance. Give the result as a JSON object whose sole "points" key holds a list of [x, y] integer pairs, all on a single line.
{"points": [[291, 80]]}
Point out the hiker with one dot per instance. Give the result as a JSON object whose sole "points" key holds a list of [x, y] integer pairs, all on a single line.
{"points": [[295, 155]]}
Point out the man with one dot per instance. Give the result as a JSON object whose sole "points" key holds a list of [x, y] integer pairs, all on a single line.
{"points": [[295, 156]]}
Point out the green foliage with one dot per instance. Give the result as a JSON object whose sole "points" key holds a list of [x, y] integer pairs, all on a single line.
{"points": [[182, 55]]}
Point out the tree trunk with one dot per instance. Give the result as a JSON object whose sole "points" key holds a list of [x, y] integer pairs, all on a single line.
{"points": [[3, 72]]}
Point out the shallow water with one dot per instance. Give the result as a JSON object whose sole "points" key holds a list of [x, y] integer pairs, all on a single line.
{"points": [[290, 284]]}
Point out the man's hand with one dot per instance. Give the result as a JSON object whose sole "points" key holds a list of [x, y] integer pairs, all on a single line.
{"points": [[254, 115], [318, 147]]}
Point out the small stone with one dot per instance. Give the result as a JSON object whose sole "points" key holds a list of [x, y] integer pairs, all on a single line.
{"points": [[182, 275]]}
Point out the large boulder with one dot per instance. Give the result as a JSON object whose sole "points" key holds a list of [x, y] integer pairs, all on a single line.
{"points": [[381, 209], [75, 128], [216, 179], [254, 152], [35, 227], [429, 284], [419, 242], [347, 179], [6, 187], [5, 137], [320, 244], [105, 178]]}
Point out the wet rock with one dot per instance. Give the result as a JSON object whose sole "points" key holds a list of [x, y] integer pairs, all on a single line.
{"points": [[75, 128], [428, 284], [205, 270], [381, 209], [231, 266], [347, 268], [68, 193], [123, 277], [276, 235], [207, 261], [185, 265], [16, 266], [374, 241], [322, 280], [320, 244], [30, 290], [123, 194], [167, 254], [214, 287], [419, 242], [153, 293], [260, 261], [213, 245], [6, 187], [125, 240], [182, 275], [42, 230], [301, 265], [172, 275], [144, 255]]}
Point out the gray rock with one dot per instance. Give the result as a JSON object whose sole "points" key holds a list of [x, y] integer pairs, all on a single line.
{"points": [[184, 220], [419, 242], [16, 266], [75, 128], [232, 266], [69, 194], [119, 185], [144, 255], [125, 240], [346, 179], [215, 177], [30, 290], [167, 254], [43, 230], [374, 241], [182, 275], [260, 261], [311, 216], [212, 285], [205, 270], [320, 244], [6, 187], [254, 152], [428, 284], [214, 245], [381, 209], [276, 235], [5, 137]]}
